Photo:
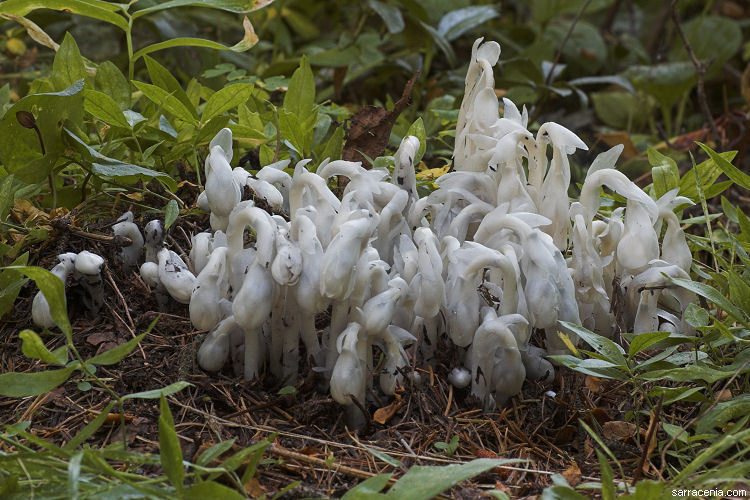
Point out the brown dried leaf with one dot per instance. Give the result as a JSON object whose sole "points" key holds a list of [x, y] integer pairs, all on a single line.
{"points": [[383, 415], [566, 434], [253, 488], [617, 429], [482, 453], [99, 337], [594, 384], [572, 474], [371, 126], [615, 138]]}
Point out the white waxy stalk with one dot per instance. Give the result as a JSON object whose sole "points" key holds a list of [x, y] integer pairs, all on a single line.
{"points": [[89, 266], [214, 351], [223, 139], [211, 285], [537, 368], [430, 284], [646, 317], [617, 181], [222, 190], [396, 359], [348, 375], [274, 174], [129, 254], [639, 243], [251, 308], [40, 313], [314, 188], [267, 192], [308, 289], [391, 225], [175, 276], [154, 233], [200, 250], [404, 175], [202, 202]]}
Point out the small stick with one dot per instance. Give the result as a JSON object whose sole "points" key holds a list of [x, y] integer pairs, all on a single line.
{"points": [[125, 305], [649, 436], [565, 40]]}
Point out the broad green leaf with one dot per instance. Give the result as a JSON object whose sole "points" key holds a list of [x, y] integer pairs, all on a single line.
{"points": [[68, 66], [237, 6], [7, 190], [34, 348], [390, 14], [457, 22], [214, 452], [90, 428], [53, 290], [212, 127], [422, 482], [225, 99], [166, 101], [335, 145], [611, 351], [98, 9], [440, 41], [664, 172], [734, 173], [170, 452], [9, 293], [20, 151], [248, 41], [561, 492], [667, 82], [101, 106], [673, 394], [369, 488], [300, 96], [210, 489], [171, 211], [417, 130], [74, 475], [109, 167], [162, 77], [297, 130], [385, 457], [739, 290], [712, 294], [592, 366], [110, 80], [712, 38], [21, 385], [644, 341], [575, 38], [688, 373], [115, 354], [158, 393], [696, 316], [257, 451], [722, 413]]}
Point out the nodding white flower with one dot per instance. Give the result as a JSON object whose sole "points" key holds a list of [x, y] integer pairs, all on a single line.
{"points": [[222, 191], [89, 267], [40, 313], [404, 175], [175, 276], [129, 254], [211, 285], [154, 232], [214, 351]]}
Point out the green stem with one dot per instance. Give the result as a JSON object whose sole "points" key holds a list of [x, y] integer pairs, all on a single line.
{"points": [[53, 191], [131, 62]]}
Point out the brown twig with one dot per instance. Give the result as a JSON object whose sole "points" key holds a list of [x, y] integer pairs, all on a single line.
{"points": [[131, 328], [551, 72], [700, 69], [646, 444]]}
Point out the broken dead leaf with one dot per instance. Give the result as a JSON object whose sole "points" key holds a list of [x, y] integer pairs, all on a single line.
{"points": [[253, 488], [619, 430], [370, 128], [99, 337], [594, 384], [566, 434], [383, 415], [482, 453], [572, 474]]}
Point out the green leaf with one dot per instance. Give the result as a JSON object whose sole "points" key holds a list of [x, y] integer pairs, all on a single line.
{"points": [[171, 211], [644, 341], [734, 173], [288, 389], [664, 172], [708, 172], [712, 38], [104, 11], [298, 131], [561, 492], [34, 348], [236, 6], [109, 167], [214, 452], [7, 192], [170, 452], [158, 393], [101, 106], [115, 354], [335, 145], [667, 82], [67, 67], [300, 96], [595, 367], [739, 290], [90, 428], [696, 316], [21, 385], [383, 456], [210, 489], [110, 80], [611, 351], [722, 413], [166, 101], [422, 482], [390, 14], [225, 99], [608, 477], [53, 290], [248, 41], [369, 488], [417, 130], [440, 41], [712, 294], [20, 151], [457, 22], [162, 77]]}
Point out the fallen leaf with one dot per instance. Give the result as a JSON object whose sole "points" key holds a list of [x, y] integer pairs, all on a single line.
{"points": [[566, 434], [623, 138], [594, 384], [619, 430], [99, 337], [482, 453], [253, 488], [572, 474], [370, 128], [600, 415], [384, 414]]}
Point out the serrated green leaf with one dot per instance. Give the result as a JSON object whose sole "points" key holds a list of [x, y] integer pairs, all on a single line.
{"points": [[101, 106], [300, 96], [34, 348], [115, 354], [67, 67], [21, 385], [225, 99], [170, 452], [166, 101], [171, 211]]}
